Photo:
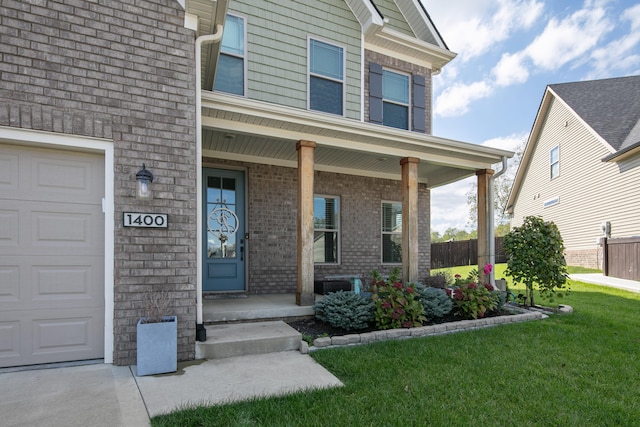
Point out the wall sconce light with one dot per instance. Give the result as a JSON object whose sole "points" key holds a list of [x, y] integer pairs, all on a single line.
{"points": [[144, 178]]}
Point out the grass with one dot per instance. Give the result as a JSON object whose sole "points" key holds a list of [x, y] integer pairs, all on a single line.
{"points": [[568, 370]]}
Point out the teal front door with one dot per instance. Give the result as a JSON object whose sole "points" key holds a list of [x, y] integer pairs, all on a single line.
{"points": [[223, 222]]}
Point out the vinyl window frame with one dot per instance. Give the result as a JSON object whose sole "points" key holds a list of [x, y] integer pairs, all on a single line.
{"points": [[408, 104], [384, 233], [343, 71], [242, 56], [554, 163], [336, 229]]}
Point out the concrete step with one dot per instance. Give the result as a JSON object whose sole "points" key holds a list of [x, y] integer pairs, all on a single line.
{"points": [[242, 339]]}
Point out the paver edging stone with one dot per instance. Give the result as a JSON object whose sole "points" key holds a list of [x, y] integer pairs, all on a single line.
{"points": [[422, 331]]}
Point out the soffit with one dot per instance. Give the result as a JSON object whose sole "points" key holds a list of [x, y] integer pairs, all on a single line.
{"points": [[242, 129]]}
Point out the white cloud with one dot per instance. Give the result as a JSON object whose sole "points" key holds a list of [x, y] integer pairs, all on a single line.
{"points": [[455, 100], [565, 40], [620, 54], [482, 24], [510, 70]]}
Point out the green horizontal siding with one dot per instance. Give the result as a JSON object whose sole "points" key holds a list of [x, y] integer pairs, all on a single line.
{"points": [[277, 32], [389, 10]]}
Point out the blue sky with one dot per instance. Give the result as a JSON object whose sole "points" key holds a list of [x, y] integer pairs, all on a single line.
{"points": [[508, 52]]}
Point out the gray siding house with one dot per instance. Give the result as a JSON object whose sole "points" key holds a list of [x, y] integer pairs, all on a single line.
{"points": [[581, 165], [288, 141]]}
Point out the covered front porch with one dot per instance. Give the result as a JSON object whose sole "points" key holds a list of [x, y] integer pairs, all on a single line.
{"points": [[240, 132]]}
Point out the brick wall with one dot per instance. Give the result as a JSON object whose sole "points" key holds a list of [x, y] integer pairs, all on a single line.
{"points": [[121, 70], [397, 64], [590, 258], [272, 210]]}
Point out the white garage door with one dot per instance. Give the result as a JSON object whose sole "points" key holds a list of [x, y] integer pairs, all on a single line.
{"points": [[51, 256]]}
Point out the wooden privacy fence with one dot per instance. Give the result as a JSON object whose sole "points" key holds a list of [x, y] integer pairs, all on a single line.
{"points": [[463, 252], [621, 258]]}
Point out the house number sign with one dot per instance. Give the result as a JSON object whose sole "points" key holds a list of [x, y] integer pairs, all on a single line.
{"points": [[149, 220]]}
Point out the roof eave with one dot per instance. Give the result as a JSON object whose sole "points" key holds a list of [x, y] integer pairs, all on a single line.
{"points": [[394, 43], [623, 154]]}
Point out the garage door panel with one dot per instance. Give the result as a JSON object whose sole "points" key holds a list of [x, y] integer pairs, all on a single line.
{"points": [[9, 339], [35, 228], [9, 227], [8, 171], [51, 175], [56, 334], [67, 285], [9, 285], [54, 282], [49, 336], [62, 229]]}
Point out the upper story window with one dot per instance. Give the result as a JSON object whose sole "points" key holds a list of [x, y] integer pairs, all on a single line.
{"points": [[395, 99], [326, 229], [230, 75], [326, 77], [554, 161], [391, 232]]}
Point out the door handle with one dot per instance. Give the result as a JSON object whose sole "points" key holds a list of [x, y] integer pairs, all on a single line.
{"points": [[241, 249]]}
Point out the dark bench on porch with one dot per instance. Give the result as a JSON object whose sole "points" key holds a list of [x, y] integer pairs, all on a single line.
{"points": [[335, 283]]}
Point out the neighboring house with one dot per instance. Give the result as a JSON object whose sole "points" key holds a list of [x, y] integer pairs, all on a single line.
{"points": [[581, 165], [297, 146]]}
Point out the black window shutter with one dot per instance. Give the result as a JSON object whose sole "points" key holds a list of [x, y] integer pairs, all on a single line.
{"points": [[375, 93], [418, 104]]}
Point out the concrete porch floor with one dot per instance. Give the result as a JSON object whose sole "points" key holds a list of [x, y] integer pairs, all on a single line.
{"points": [[253, 307]]}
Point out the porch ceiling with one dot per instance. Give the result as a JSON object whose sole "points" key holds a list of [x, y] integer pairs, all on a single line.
{"points": [[237, 128]]}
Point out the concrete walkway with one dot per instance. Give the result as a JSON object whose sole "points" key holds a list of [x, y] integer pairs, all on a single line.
{"points": [[103, 395], [614, 282]]}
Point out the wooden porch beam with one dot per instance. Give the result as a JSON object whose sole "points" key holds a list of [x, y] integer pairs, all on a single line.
{"points": [[484, 225], [304, 292], [409, 219]]}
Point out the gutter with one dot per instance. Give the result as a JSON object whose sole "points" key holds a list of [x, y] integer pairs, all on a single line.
{"points": [[216, 37]]}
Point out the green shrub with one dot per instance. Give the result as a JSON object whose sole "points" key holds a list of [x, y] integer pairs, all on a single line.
{"points": [[396, 305], [435, 301], [345, 309], [473, 301]]}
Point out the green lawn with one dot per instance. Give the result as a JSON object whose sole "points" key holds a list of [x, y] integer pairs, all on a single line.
{"points": [[581, 369]]}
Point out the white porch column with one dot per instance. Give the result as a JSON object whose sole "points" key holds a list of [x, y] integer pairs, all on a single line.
{"points": [[304, 293], [485, 222], [409, 219]]}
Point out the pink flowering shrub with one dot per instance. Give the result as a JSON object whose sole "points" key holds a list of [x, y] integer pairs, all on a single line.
{"points": [[396, 305], [473, 301]]}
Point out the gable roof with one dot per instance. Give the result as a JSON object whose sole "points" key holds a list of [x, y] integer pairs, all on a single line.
{"points": [[426, 47], [611, 107]]}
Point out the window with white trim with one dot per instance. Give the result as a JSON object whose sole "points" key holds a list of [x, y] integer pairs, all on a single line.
{"points": [[395, 99], [230, 74], [391, 232], [554, 161], [326, 77], [326, 229]]}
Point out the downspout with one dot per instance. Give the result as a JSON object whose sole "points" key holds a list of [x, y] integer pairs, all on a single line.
{"points": [[492, 238], [200, 41]]}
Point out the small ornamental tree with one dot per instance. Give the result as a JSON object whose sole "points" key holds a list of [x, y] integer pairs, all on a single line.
{"points": [[535, 255]]}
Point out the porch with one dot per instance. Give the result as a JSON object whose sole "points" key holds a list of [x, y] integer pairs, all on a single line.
{"points": [[253, 308]]}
